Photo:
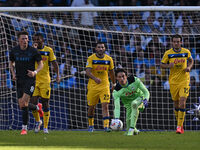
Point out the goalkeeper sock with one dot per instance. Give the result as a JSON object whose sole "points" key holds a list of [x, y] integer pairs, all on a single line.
{"points": [[181, 117], [36, 115], [91, 120], [106, 122], [46, 117], [176, 110], [134, 117]]}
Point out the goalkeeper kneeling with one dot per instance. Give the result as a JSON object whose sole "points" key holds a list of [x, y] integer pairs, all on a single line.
{"points": [[134, 96]]}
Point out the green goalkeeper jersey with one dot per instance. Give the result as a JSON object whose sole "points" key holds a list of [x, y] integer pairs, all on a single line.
{"points": [[133, 90]]}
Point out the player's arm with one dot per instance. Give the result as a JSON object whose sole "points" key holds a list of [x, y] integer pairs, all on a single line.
{"points": [[33, 73], [90, 75], [112, 77], [190, 64], [163, 65], [164, 62], [116, 98], [144, 90], [56, 69], [12, 66]]}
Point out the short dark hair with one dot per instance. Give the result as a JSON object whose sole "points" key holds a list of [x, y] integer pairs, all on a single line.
{"points": [[100, 42], [21, 33], [39, 34], [120, 70], [176, 36]]}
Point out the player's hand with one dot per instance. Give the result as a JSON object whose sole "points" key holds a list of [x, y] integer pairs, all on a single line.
{"points": [[187, 69], [35, 45], [171, 65], [31, 73], [97, 80], [113, 87], [145, 102]]}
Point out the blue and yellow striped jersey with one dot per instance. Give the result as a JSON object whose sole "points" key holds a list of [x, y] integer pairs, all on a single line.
{"points": [[177, 73], [100, 68], [47, 56]]}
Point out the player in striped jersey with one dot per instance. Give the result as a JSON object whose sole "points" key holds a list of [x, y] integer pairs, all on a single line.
{"points": [[42, 88], [180, 62], [98, 66]]}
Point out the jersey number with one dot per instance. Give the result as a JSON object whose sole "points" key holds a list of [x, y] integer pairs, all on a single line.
{"points": [[186, 90], [106, 97]]}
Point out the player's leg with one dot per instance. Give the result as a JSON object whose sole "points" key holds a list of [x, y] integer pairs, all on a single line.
{"points": [[92, 100], [28, 88], [106, 116], [45, 91], [128, 118], [184, 92], [174, 90], [105, 100], [91, 112], [46, 116], [23, 102], [37, 112], [134, 115]]}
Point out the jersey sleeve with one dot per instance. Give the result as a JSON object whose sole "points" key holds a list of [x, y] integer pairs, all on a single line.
{"points": [[52, 56], [116, 98], [144, 90], [165, 58], [189, 54], [89, 63], [111, 64]]}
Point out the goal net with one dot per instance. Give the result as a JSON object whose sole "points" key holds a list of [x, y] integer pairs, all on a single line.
{"points": [[136, 39]]}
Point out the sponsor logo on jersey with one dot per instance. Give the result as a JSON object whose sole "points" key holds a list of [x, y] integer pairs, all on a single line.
{"points": [[101, 68], [176, 61]]}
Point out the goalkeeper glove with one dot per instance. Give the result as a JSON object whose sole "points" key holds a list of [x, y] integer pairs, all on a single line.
{"points": [[145, 102]]}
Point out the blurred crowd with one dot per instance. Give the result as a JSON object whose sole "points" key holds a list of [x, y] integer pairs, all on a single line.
{"points": [[135, 40], [43, 3]]}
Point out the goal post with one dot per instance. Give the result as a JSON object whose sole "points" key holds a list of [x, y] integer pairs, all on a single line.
{"points": [[135, 37]]}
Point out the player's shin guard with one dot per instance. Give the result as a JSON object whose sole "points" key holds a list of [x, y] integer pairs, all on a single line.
{"points": [[106, 122], [91, 120], [25, 115], [46, 117], [176, 110], [181, 117], [36, 115]]}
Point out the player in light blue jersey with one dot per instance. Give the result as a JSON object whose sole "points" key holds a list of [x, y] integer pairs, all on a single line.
{"points": [[134, 96]]}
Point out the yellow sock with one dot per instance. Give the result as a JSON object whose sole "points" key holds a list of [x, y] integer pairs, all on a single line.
{"points": [[36, 115], [181, 117], [46, 119], [176, 113], [105, 122], [91, 121]]}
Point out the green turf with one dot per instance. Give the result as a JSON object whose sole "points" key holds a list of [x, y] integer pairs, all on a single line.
{"points": [[61, 140]]}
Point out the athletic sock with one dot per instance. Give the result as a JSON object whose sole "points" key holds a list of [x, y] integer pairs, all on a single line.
{"points": [[91, 120], [181, 117], [46, 117], [106, 122]]}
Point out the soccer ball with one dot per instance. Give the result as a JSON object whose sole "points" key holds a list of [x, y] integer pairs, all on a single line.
{"points": [[116, 125]]}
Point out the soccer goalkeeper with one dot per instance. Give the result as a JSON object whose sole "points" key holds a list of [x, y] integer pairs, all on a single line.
{"points": [[134, 96]]}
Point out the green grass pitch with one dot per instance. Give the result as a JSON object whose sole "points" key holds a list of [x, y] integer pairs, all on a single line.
{"points": [[99, 140]]}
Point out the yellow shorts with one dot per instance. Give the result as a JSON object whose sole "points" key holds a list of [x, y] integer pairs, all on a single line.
{"points": [[178, 91], [94, 95], [43, 90]]}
